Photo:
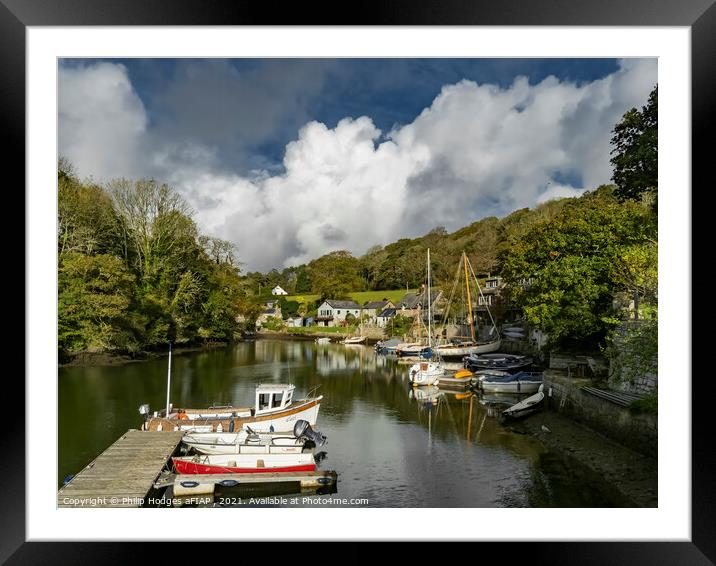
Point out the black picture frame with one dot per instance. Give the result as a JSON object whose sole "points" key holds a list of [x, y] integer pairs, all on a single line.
{"points": [[699, 15]]}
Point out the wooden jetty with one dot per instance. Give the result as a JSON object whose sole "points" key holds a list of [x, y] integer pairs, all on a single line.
{"points": [[196, 484], [124, 474]]}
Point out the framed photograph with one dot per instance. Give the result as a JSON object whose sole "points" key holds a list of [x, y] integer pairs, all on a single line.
{"points": [[408, 277]]}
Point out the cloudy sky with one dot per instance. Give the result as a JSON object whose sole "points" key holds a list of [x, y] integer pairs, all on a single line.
{"points": [[293, 158]]}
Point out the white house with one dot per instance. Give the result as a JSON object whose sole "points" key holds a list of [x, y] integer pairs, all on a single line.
{"points": [[374, 308], [385, 317], [277, 290], [332, 312]]}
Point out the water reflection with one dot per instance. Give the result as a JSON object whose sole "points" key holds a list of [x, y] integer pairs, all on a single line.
{"points": [[390, 443]]}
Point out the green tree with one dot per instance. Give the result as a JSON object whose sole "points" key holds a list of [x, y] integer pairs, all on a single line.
{"points": [[334, 275], [635, 152], [94, 297], [571, 259]]}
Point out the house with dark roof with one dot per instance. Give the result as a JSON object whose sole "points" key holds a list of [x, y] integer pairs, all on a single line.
{"points": [[384, 318], [272, 310], [412, 303], [333, 312], [374, 308]]}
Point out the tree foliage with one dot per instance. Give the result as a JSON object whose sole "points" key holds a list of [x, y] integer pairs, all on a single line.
{"points": [[571, 259], [635, 152], [134, 272]]}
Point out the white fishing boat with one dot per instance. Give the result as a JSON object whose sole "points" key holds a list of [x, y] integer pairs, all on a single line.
{"points": [[244, 463], [323, 340], [274, 410], [526, 407]]}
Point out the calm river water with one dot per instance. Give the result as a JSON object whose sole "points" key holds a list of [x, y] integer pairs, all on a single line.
{"points": [[387, 446]]}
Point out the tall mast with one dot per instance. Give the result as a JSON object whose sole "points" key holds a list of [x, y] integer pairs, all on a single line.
{"points": [[469, 302], [169, 377], [430, 316]]}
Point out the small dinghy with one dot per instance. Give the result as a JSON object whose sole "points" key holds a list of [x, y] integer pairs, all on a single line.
{"points": [[526, 407], [323, 340], [244, 463], [521, 382], [354, 340]]}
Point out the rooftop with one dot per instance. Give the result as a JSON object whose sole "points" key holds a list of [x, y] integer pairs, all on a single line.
{"points": [[274, 387], [342, 304]]}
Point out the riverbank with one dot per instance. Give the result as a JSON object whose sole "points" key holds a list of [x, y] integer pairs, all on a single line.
{"points": [[113, 359], [634, 476], [302, 334]]}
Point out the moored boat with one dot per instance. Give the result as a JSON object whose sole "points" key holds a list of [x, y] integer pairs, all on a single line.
{"points": [[425, 373], [503, 362], [323, 340], [521, 382], [462, 349], [354, 340], [274, 410], [244, 463], [528, 406]]}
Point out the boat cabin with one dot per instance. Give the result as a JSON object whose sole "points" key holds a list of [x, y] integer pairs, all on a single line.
{"points": [[273, 397]]}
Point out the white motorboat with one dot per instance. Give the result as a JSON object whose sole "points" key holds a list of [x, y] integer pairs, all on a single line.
{"points": [[243, 442], [248, 441]]}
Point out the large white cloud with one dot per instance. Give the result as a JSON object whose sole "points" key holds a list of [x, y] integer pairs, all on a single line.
{"points": [[477, 150]]}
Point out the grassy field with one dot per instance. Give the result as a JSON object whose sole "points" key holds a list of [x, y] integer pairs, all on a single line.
{"points": [[360, 297]]}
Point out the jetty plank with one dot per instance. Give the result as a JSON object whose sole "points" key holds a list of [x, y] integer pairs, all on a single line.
{"points": [[124, 474]]}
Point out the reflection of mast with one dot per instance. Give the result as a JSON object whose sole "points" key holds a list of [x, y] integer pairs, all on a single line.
{"points": [[469, 302], [469, 417]]}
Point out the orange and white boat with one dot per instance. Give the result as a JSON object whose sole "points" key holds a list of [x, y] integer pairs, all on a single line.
{"points": [[274, 410]]}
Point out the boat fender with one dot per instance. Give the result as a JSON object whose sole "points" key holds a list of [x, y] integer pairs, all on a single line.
{"points": [[324, 481], [271, 429], [189, 483], [231, 426], [228, 483], [68, 479]]}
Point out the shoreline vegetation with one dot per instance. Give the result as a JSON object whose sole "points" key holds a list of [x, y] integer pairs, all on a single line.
{"points": [[135, 273]]}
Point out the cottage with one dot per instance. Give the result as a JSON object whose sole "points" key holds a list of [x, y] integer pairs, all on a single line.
{"points": [[277, 290], [385, 317], [271, 311], [294, 321], [411, 304], [374, 308], [333, 312]]}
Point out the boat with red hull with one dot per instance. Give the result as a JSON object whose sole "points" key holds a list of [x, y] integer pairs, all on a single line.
{"points": [[244, 463]]}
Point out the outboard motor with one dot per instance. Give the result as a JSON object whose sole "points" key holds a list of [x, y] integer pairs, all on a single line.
{"points": [[303, 430]]}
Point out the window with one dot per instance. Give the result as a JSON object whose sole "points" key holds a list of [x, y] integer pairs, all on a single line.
{"points": [[264, 401], [277, 399], [338, 312]]}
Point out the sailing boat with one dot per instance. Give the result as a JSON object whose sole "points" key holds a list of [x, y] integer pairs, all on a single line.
{"points": [[360, 339], [472, 346], [424, 372]]}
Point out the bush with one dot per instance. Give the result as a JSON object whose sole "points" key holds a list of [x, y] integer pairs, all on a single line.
{"points": [[646, 405]]}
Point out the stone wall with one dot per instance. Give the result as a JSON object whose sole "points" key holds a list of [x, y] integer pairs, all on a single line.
{"points": [[636, 431]]}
